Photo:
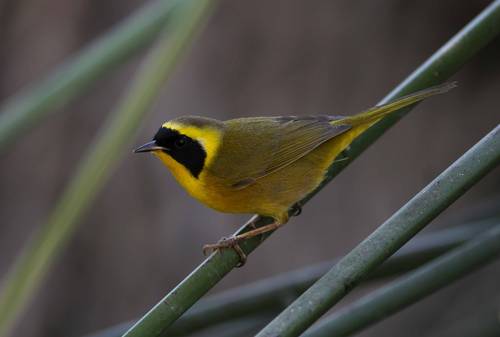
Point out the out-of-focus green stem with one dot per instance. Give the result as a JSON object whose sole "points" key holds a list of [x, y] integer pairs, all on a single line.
{"points": [[30, 105], [440, 66], [388, 238], [112, 142], [275, 293], [417, 285]]}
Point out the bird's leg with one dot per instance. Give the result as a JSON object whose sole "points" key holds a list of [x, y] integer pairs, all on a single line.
{"points": [[232, 242], [257, 231], [252, 223], [227, 243]]}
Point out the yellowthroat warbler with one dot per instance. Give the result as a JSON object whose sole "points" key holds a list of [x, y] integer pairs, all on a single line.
{"points": [[262, 165]]}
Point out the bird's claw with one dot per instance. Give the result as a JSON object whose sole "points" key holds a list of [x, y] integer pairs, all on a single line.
{"points": [[231, 242], [296, 209]]}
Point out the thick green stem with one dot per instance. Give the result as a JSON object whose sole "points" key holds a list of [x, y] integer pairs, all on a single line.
{"points": [[412, 288], [29, 106], [388, 238], [438, 68], [444, 63], [276, 292], [112, 142]]}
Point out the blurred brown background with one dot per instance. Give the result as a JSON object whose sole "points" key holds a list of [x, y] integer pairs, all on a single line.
{"points": [[144, 234]]}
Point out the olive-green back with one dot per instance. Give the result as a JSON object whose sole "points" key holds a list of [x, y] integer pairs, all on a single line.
{"points": [[255, 147]]}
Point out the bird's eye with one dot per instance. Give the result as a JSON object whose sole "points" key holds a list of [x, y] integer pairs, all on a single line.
{"points": [[180, 142]]}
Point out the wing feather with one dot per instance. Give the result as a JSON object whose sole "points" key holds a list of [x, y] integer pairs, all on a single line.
{"points": [[300, 136], [260, 146]]}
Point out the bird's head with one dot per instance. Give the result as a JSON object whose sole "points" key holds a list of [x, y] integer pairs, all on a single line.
{"points": [[186, 143]]}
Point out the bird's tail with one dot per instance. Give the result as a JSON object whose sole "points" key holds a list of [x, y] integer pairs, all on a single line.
{"points": [[372, 115]]}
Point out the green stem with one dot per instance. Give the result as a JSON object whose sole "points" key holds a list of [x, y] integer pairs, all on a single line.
{"points": [[240, 326], [388, 238], [276, 292], [446, 61], [29, 106], [417, 285], [112, 142]]}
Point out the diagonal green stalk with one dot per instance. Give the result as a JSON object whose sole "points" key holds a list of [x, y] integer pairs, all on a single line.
{"points": [[388, 238], [28, 107], [275, 293], [112, 142], [411, 288], [439, 67], [447, 60], [241, 326]]}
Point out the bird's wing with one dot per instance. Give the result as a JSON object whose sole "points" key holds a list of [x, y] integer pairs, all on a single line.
{"points": [[261, 146]]}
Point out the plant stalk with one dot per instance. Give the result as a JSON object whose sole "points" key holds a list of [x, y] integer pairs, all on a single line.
{"points": [[28, 107], [276, 292], [439, 67], [388, 238], [110, 145], [411, 288]]}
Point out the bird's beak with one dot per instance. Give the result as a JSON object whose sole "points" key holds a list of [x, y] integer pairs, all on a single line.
{"points": [[148, 147]]}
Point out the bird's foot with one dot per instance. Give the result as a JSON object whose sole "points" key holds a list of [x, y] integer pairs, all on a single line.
{"points": [[224, 243], [232, 242], [296, 209]]}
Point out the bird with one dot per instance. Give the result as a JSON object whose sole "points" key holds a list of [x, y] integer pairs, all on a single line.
{"points": [[261, 165]]}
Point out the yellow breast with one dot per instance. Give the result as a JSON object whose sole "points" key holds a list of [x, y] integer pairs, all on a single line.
{"points": [[205, 188], [210, 139], [272, 195]]}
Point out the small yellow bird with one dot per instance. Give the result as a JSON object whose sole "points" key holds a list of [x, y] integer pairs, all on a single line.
{"points": [[262, 165]]}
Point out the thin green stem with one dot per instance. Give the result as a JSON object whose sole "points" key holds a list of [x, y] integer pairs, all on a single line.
{"points": [[388, 238], [444, 63], [240, 326], [112, 142], [411, 288], [29, 106], [276, 292]]}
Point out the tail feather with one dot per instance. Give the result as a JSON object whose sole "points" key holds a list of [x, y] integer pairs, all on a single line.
{"points": [[374, 114]]}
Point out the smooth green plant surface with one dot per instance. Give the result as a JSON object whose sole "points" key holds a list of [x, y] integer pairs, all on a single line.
{"points": [[275, 293], [439, 67], [112, 142], [25, 110], [31, 105], [413, 287], [388, 238]]}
